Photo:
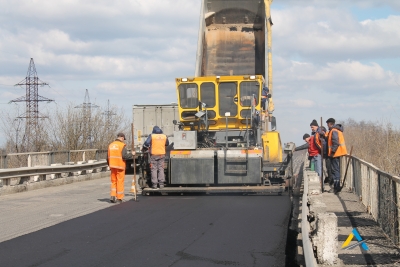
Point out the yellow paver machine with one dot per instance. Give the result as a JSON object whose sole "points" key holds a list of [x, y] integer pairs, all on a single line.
{"points": [[225, 137]]}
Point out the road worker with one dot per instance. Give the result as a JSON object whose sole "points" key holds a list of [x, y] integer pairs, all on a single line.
{"points": [[117, 155], [322, 134], [314, 152], [264, 96], [336, 149], [157, 143], [317, 145]]}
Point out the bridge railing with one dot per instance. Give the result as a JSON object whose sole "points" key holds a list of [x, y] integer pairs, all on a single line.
{"points": [[377, 190], [32, 159], [28, 177]]}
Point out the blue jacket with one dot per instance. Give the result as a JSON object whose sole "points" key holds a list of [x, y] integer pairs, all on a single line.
{"points": [[264, 92], [156, 130]]}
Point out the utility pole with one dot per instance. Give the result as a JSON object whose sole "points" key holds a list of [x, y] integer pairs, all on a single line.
{"points": [[87, 107], [31, 115]]}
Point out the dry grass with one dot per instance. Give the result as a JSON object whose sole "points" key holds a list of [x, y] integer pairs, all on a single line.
{"points": [[375, 142]]}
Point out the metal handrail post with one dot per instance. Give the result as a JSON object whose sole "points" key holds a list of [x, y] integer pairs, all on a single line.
{"points": [[226, 133]]}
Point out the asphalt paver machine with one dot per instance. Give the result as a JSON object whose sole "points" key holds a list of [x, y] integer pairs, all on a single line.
{"points": [[223, 130]]}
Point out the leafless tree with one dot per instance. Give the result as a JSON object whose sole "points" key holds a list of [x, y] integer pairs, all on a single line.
{"points": [[375, 142], [14, 130], [65, 129], [71, 130]]}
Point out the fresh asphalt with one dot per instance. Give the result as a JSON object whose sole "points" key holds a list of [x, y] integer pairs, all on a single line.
{"points": [[189, 230]]}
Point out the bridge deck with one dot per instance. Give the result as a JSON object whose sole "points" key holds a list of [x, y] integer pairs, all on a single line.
{"points": [[352, 214], [74, 225]]}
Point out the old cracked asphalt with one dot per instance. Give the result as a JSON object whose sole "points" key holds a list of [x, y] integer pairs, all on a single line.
{"points": [[74, 225]]}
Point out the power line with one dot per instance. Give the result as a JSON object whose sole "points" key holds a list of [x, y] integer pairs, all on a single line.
{"points": [[109, 114], [31, 99], [87, 107]]}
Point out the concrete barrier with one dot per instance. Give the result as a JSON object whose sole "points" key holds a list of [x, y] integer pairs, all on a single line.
{"points": [[53, 176], [94, 170], [325, 239], [80, 163], [322, 226]]}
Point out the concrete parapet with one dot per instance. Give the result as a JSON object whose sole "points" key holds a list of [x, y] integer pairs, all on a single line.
{"points": [[323, 225], [14, 181], [314, 184], [53, 176], [317, 205], [80, 172], [326, 238], [314, 188], [37, 178], [313, 177], [94, 170]]}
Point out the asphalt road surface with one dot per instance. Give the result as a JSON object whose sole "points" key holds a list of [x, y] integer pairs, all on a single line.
{"points": [[187, 230]]}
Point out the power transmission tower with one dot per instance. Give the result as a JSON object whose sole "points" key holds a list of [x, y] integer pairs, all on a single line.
{"points": [[31, 115], [87, 107], [109, 114]]}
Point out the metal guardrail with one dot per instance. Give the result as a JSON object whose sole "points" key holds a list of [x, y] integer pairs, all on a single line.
{"points": [[47, 170], [308, 251], [31, 159], [378, 191]]}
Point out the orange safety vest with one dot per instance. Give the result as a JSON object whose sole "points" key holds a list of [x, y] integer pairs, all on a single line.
{"points": [[318, 141], [115, 160], [158, 142], [341, 150]]}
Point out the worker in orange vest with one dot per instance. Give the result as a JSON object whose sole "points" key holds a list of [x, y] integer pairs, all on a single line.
{"points": [[117, 154], [336, 149], [157, 143], [314, 151]]}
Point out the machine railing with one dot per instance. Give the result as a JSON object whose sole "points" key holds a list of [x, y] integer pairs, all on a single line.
{"points": [[32, 159], [377, 190]]}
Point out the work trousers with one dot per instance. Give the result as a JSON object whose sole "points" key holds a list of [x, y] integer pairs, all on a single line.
{"points": [[335, 164], [317, 164], [157, 169], [328, 171], [117, 183]]}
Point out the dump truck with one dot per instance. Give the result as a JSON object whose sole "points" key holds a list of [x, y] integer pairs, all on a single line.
{"points": [[225, 138]]}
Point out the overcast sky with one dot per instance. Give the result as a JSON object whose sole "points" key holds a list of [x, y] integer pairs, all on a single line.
{"points": [[331, 58]]}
